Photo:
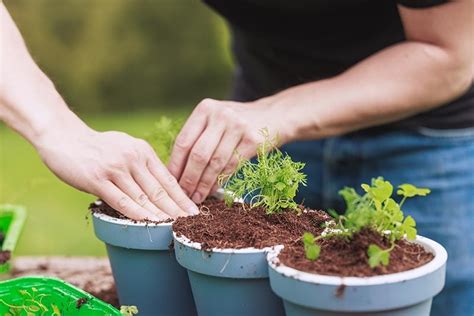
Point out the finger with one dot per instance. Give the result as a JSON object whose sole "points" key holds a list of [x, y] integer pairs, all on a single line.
{"points": [[199, 158], [129, 186], [222, 155], [155, 192], [121, 202], [186, 138], [169, 183]]}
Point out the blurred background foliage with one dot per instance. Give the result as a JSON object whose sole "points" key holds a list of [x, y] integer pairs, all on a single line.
{"points": [[121, 65], [118, 55]]}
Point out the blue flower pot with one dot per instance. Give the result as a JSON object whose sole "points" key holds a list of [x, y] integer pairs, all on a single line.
{"points": [[407, 293], [144, 266], [230, 282]]}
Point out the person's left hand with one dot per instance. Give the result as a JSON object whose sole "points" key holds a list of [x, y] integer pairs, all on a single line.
{"points": [[213, 136]]}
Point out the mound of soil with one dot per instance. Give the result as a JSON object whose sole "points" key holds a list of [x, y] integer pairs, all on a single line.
{"points": [[219, 226], [100, 206], [342, 257]]}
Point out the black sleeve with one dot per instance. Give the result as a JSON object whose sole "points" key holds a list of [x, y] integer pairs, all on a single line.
{"points": [[420, 3]]}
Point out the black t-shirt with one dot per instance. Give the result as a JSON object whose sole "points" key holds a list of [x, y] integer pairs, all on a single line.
{"points": [[281, 43]]}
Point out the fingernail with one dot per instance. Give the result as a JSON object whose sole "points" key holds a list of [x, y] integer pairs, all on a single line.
{"points": [[197, 197]]}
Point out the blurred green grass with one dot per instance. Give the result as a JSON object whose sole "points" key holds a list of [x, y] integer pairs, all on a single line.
{"points": [[56, 222]]}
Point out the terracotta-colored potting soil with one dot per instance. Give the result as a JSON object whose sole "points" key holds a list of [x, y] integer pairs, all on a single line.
{"points": [[349, 258], [100, 206], [219, 226]]}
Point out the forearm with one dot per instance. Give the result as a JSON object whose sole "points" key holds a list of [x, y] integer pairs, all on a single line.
{"points": [[395, 83], [29, 102]]}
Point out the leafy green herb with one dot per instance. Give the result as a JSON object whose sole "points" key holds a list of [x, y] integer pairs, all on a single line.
{"points": [[272, 180], [377, 256], [376, 210], [162, 137], [311, 248]]}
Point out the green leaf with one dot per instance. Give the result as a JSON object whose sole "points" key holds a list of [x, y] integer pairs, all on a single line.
{"points": [[408, 227], [312, 252], [311, 249], [409, 190], [377, 256], [351, 197], [380, 189], [308, 238]]}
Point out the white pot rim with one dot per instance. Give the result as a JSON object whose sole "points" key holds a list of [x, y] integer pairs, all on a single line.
{"points": [[196, 245], [128, 222], [219, 194], [440, 257]]}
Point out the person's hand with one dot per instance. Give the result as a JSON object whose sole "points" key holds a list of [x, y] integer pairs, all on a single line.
{"points": [[122, 170], [213, 136]]}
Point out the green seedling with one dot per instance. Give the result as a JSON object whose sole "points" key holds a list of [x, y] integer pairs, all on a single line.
{"points": [[311, 248], [128, 310], [376, 210], [272, 180], [32, 305], [163, 136]]}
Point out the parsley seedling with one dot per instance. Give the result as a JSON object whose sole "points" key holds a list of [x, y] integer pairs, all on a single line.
{"points": [[272, 180], [376, 210]]}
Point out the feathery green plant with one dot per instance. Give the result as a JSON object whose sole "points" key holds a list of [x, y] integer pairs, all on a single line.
{"points": [[272, 180], [163, 136]]}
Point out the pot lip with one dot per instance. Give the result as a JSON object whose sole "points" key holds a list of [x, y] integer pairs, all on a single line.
{"points": [[128, 222], [440, 257], [249, 250]]}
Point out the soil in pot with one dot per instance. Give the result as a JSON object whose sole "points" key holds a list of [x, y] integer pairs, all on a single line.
{"points": [[239, 226], [342, 257], [100, 206]]}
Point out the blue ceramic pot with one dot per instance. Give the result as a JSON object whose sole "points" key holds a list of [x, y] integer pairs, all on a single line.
{"points": [[230, 282], [144, 266], [407, 293]]}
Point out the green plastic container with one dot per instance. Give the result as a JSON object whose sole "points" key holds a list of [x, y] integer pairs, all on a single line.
{"points": [[52, 297], [12, 218]]}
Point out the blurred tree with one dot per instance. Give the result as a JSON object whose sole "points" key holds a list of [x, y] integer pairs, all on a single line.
{"points": [[118, 55]]}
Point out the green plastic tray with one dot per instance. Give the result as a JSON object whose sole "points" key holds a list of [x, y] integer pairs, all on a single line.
{"points": [[12, 218], [49, 297]]}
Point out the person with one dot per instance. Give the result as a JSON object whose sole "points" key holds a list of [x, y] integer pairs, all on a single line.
{"points": [[355, 89], [122, 170]]}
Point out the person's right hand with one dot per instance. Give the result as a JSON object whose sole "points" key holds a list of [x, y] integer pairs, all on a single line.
{"points": [[122, 170]]}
